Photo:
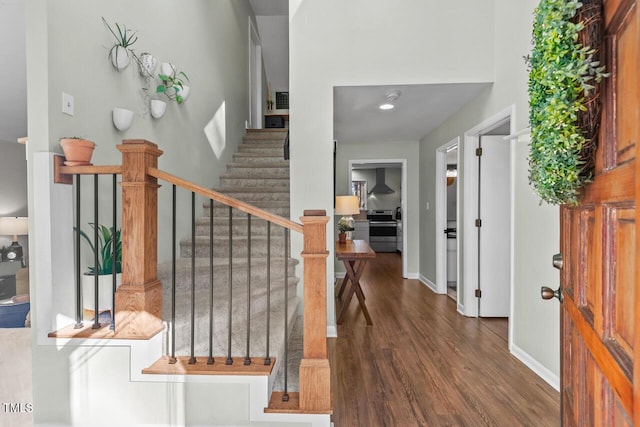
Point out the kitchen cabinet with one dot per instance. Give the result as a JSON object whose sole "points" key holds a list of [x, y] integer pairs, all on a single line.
{"points": [[361, 231]]}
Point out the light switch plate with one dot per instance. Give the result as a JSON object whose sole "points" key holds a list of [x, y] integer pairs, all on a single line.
{"points": [[67, 104]]}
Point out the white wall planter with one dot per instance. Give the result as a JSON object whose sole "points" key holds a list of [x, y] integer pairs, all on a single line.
{"points": [[167, 69], [184, 92], [120, 57], [105, 287], [148, 64], [158, 108], [122, 118]]}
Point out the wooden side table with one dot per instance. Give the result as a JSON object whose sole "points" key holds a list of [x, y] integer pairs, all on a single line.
{"points": [[354, 254]]}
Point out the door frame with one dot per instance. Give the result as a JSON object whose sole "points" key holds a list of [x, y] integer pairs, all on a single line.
{"points": [[255, 66], [441, 220], [470, 204], [403, 202]]}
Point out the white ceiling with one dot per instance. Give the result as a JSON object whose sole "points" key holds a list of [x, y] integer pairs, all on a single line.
{"points": [[419, 110], [13, 72]]}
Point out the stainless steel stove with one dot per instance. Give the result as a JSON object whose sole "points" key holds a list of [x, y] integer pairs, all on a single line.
{"points": [[382, 230]]}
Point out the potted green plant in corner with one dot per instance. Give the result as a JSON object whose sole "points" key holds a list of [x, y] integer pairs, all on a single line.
{"points": [[173, 84], [121, 53], [77, 151], [104, 268], [343, 227]]}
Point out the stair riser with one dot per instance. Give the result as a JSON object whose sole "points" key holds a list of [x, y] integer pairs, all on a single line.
{"points": [[260, 161], [265, 150], [221, 249], [259, 171], [281, 183], [239, 229], [271, 135], [256, 196], [222, 212]]}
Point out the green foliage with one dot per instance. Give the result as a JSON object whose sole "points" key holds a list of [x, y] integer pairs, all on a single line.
{"points": [[172, 84], [562, 72], [105, 249], [124, 39], [344, 226]]}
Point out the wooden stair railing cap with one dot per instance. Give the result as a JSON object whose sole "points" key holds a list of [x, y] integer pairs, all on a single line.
{"points": [[314, 212], [135, 144]]}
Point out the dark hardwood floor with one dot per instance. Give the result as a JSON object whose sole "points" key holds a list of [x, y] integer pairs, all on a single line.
{"points": [[423, 364]]}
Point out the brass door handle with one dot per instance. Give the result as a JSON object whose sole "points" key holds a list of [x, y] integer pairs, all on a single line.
{"points": [[557, 261], [548, 293]]}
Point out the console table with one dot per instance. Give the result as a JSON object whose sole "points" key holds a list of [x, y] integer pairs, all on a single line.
{"points": [[354, 254]]}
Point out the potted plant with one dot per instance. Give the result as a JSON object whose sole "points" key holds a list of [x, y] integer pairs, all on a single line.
{"points": [[104, 269], [343, 228], [77, 151], [173, 84], [120, 53]]}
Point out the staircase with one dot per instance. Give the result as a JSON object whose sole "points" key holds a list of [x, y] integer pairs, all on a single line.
{"points": [[258, 175]]}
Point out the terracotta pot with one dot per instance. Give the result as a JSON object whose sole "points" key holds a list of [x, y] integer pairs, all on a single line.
{"points": [[77, 152], [342, 237]]}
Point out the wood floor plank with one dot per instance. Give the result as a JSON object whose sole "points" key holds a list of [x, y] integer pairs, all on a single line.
{"points": [[423, 364]]}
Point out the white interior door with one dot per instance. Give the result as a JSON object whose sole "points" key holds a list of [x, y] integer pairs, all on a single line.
{"points": [[495, 230]]}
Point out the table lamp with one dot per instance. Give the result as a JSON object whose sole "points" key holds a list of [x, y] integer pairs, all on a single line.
{"points": [[14, 226], [347, 206]]}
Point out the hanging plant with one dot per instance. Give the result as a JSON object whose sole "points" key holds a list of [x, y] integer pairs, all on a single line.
{"points": [[564, 113]]}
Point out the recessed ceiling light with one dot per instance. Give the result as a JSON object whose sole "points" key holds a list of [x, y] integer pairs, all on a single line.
{"points": [[390, 99]]}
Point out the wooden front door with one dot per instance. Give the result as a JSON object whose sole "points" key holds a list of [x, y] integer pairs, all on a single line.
{"points": [[600, 317]]}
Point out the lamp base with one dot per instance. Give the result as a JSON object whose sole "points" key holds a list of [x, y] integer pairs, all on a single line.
{"points": [[13, 252]]}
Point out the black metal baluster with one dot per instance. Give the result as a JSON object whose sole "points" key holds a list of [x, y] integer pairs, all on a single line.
{"points": [[114, 253], [96, 271], [285, 396], [210, 361], [79, 323], [172, 358], [267, 358], [229, 358], [247, 359], [192, 359]]}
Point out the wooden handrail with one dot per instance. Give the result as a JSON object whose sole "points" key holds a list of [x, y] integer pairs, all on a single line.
{"points": [[91, 170], [227, 200]]}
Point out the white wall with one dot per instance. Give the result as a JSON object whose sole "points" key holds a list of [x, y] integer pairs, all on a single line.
{"points": [[274, 34], [536, 227], [338, 43], [13, 191]]}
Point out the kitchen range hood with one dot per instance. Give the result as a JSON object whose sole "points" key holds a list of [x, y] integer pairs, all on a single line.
{"points": [[381, 187]]}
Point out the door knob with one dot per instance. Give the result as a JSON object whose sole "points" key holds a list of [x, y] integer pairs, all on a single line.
{"points": [[548, 293], [557, 261]]}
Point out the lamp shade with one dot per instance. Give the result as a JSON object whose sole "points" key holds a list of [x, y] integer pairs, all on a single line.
{"points": [[347, 205], [14, 226]]}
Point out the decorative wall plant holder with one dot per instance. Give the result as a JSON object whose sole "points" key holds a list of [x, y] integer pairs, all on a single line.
{"points": [[122, 118], [148, 64], [158, 108]]}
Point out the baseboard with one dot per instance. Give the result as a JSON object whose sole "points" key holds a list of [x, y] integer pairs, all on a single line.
{"points": [[340, 274], [414, 276], [332, 331], [550, 378], [428, 283]]}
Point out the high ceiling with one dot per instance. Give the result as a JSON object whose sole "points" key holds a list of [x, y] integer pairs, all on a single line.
{"points": [[419, 109]]}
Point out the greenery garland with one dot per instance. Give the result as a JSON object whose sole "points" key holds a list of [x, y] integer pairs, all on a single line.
{"points": [[562, 73]]}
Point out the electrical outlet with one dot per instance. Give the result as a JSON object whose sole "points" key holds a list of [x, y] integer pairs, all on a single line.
{"points": [[67, 104]]}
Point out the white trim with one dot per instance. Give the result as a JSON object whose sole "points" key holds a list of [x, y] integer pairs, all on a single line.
{"points": [[332, 331], [549, 377], [441, 220], [470, 191], [413, 276], [428, 283], [403, 202], [255, 101]]}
